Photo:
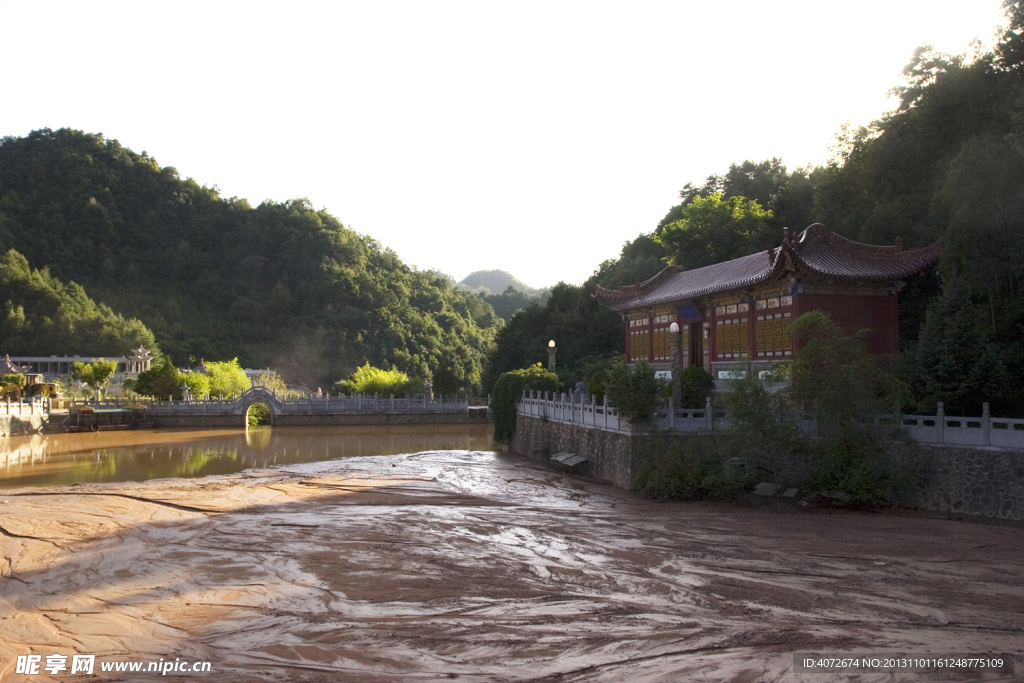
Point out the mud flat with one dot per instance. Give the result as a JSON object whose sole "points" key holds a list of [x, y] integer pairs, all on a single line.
{"points": [[480, 566]]}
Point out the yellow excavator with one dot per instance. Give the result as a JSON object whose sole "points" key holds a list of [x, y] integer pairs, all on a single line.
{"points": [[34, 386]]}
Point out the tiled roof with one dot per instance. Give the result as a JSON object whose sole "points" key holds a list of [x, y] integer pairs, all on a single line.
{"points": [[817, 252], [7, 366]]}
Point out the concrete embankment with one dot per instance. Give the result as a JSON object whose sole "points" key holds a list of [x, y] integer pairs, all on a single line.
{"points": [[987, 482]]}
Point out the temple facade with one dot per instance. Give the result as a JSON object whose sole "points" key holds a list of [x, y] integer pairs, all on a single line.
{"points": [[738, 313]]}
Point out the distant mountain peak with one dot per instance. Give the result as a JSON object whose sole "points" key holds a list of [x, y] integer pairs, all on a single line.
{"points": [[496, 282]]}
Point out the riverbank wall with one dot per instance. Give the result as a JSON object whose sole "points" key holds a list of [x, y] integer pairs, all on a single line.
{"points": [[317, 419], [986, 482], [22, 425]]}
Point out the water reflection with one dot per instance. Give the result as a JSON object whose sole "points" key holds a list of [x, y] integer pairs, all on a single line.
{"points": [[61, 459]]}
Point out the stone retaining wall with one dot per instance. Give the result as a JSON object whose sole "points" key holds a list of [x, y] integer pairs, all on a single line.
{"points": [[21, 425], [983, 482], [975, 481], [610, 453], [315, 419]]}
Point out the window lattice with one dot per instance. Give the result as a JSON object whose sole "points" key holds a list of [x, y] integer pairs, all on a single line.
{"points": [[733, 339], [773, 336]]}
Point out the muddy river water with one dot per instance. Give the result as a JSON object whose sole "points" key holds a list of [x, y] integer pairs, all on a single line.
{"points": [[455, 562], [61, 459]]}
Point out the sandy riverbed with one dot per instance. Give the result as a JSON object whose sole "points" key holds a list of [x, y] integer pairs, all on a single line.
{"points": [[485, 567]]}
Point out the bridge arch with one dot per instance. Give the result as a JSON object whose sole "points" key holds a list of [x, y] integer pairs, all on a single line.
{"points": [[262, 397]]}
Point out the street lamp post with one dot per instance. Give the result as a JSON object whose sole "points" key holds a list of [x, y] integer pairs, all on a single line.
{"points": [[673, 341], [551, 355]]}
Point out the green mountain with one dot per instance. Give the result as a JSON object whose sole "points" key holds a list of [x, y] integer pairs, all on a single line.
{"points": [[497, 282], [506, 293], [279, 285]]}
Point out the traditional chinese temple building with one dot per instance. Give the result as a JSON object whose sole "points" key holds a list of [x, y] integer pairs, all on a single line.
{"points": [[739, 312]]}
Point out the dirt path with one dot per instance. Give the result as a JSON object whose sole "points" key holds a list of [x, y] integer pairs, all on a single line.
{"points": [[484, 567]]}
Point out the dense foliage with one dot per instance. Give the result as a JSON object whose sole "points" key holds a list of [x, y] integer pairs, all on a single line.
{"points": [[227, 378], [280, 285], [161, 381], [634, 390], [512, 300], [369, 380], [43, 316], [509, 389], [95, 374], [837, 381], [696, 385]]}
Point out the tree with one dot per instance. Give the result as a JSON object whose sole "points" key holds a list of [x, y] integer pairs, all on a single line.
{"points": [[956, 359], [836, 376], [95, 374], [270, 380], [836, 380], [509, 389], [278, 285], [227, 378], [198, 384], [161, 381], [41, 315], [445, 382], [634, 390], [712, 229]]}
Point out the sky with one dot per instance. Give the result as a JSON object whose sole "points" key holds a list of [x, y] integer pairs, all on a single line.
{"points": [[531, 137]]}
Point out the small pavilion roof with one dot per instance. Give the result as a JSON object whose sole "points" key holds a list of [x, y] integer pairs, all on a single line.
{"points": [[7, 366], [817, 252]]}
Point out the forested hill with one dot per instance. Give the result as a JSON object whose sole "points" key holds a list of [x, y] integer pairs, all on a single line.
{"points": [[947, 163], [279, 285]]}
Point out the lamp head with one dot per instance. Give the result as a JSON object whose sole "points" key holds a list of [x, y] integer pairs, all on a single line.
{"points": [[674, 328], [551, 344]]}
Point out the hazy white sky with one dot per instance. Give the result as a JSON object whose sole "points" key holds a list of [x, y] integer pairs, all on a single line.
{"points": [[534, 137]]}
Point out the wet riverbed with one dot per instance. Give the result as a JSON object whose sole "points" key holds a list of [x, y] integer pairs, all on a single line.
{"points": [[486, 567], [64, 459]]}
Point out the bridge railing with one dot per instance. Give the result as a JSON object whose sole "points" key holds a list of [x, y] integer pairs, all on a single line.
{"points": [[325, 404], [572, 409], [938, 429]]}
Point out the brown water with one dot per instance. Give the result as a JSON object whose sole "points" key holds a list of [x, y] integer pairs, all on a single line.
{"points": [[62, 459]]}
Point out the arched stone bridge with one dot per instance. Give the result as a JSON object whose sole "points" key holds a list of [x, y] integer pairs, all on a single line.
{"points": [[328, 410]]}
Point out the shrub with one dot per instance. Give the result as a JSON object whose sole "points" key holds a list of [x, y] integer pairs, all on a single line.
{"points": [[509, 389], [634, 391], [689, 468], [227, 378], [258, 415], [13, 378], [696, 384], [371, 380], [835, 376]]}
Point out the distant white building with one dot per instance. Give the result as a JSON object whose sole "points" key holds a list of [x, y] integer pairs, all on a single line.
{"points": [[139, 360]]}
